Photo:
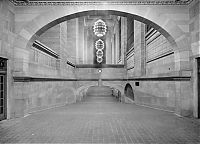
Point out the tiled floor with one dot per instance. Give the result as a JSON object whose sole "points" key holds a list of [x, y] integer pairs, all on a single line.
{"points": [[101, 120]]}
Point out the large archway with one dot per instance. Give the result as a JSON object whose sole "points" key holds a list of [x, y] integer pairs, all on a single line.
{"points": [[165, 25], [33, 30], [52, 16]]}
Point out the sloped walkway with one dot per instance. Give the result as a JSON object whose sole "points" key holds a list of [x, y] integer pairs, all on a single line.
{"points": [[101, 119]]}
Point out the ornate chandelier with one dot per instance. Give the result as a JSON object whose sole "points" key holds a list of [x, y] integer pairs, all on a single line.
{"points": [[99, 45], [100, 28]]}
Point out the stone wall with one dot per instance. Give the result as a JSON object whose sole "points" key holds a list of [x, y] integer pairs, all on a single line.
{"points": [[34, 96], [161, 67], [159, 94], [150, 60], [7, 38], [65, 69], [30, 97], [163, 95], [107, 73], [51, 38], [55, 38], [159, 55]]}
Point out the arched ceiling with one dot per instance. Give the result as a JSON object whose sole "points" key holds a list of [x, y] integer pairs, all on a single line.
{"points": [[118, 2]]}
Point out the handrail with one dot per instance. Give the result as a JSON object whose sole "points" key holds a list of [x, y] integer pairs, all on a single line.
{"points": [[40, 46], [71, 64]]}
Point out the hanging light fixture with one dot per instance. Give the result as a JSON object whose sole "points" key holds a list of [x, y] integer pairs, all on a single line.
{"points": [[100, 28], [99, 45]]}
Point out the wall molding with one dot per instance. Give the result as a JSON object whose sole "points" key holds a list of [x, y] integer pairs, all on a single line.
{"points": [[160, 56], [117, 2], [100, 66], [36, 79]]}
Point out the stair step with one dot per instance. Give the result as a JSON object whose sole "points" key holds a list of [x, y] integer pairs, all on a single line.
{"points": [[99, 91]]}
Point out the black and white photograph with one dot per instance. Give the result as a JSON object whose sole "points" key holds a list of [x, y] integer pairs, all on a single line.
{"points": [[99, 71]]}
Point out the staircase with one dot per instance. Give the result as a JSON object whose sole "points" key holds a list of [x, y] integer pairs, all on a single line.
{"points": [[99, 91], [100, 94]]}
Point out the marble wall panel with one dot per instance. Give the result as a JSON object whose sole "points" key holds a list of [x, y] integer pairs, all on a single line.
{"points": [[30, 97]]}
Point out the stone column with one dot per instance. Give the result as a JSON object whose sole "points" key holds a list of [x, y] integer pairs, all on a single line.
{"points": [[194, 29], [183, 64], [85, 45], [124, 41], [139, 46], [77, 41], [81, 44]]}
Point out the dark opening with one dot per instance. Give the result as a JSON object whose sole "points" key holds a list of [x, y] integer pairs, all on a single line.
{"points": [[198, 75], [137, 84], [3, 99], [129, 91]]}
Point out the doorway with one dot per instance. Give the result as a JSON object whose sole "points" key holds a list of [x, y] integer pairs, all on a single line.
{"points": [[129, 91], [198, 87], [3, 97]]}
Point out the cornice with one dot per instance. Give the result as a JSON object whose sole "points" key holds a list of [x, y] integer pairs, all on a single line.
{"points": [[63, 3]]}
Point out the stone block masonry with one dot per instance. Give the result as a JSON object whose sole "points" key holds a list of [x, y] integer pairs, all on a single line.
{"points": [[35, 96]]}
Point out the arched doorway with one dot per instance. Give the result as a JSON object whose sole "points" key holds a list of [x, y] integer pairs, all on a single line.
{"points": [[129, 91]]}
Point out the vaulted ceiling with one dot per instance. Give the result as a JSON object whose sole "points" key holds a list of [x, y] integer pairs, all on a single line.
{"points": [[133, 2]]}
